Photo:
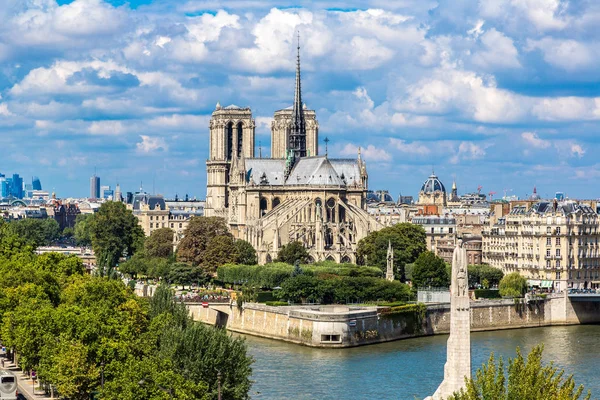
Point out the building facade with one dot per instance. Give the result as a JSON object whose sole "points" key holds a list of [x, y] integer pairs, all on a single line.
{"points": [[553, 244], [295, 195]]}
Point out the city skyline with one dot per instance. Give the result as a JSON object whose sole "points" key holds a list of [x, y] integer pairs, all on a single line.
{"points": [[503, 97]]}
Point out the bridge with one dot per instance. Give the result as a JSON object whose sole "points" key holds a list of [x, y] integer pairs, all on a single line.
{"points": [[584, 297]]}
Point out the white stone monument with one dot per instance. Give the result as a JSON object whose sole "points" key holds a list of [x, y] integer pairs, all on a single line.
{"points": [[458, 362], [389, 275]]}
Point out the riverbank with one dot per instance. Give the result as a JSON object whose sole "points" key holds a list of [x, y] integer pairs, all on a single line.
{"points": [[343, 326]]}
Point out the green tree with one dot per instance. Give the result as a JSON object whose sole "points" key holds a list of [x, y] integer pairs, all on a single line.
{"points": [[408, 241], [136, 265], [292, 252], [481, 272], [83, 233], [201, 352], [430, 270], [513, 285], [220, 250], [115, 231], [197, 235], [186, 274], [36, 232], [159, 243], [526, 380], [245, 253]]}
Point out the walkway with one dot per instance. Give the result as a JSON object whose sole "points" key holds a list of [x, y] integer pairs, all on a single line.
{"points": [[26, 384]]}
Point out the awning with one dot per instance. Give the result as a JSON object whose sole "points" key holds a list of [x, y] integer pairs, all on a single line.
{"points": [[533, 282], [547, 284]]}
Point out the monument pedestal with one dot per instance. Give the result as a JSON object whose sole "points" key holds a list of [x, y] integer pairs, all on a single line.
{"points": [[458, 362]]}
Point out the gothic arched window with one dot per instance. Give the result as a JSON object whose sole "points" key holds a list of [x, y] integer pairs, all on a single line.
{"points": [[229, 133], [276, 202], [263, 206], [240, 139]]}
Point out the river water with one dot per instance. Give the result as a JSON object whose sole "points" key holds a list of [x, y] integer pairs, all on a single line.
{"points": [[411, 368]]}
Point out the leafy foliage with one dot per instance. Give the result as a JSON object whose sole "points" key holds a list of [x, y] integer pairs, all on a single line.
{"points": [[36, 232], [159, 243], [340, 290], [292, 252], [83, 233], [199, 232], [273, 275], [114, 232], [513, 285], [526, 380], [408, 241], [480, 273], [430, 270], [245, 253]]}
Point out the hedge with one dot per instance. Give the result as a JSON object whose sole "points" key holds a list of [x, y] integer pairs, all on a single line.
{"points": [[263, 297], [274, 274], [487, 294], [277, 303]]}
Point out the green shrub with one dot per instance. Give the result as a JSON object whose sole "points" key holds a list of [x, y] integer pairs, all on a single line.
{"points": [[263, 297], [513, 285], [277, 303], [487, 294]]}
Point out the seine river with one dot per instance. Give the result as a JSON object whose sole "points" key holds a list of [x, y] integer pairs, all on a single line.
{"points": [[408, 369]]}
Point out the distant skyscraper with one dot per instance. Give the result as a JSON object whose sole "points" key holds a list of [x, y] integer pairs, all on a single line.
{"points": [[4, 186], [35, 183], [95, 187], [17, 186]]}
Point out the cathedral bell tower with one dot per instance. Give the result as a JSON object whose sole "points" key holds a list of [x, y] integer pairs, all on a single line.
{"points": [[231, 139]]}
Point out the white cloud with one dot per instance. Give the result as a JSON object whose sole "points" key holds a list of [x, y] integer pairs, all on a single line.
{"points": [[468, 151], [369, 153], [567, 54], [577, 150], [498, 51], [108, 128], [410, 148], [4, 111], [151, 144], [532, 139]]}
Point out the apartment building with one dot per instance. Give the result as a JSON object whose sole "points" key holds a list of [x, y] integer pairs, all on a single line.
{"points": [[553, 244]]}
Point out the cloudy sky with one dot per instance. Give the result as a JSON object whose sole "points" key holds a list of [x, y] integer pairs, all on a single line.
{"points": [[499, 93]]}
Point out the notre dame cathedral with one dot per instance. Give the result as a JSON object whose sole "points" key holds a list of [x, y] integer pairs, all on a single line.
{"points": [[296, 195]]}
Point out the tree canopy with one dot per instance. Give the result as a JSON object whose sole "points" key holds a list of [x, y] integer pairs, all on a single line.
{"points": [[524, 380], [197, 235], [480, 273], [83, 234], [245, 253], [159, 243], [408, 241], [71, 328], [114, 232], [513, 285], [430, 270], [36, 232], [292, 252]]}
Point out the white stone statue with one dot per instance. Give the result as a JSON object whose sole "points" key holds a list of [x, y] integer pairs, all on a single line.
{"points": [[458, 362]]}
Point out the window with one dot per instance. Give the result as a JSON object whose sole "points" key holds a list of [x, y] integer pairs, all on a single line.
{"points": [[558, 264], [558, 229], [557, 252], [548, 230], [449, 230], [558, 241], [151, 225], [557, 274], [151, 217], [330, 338], [548, 253], [180, 224], [431, 230], [548, 265], [548, 241], [172, 225]]}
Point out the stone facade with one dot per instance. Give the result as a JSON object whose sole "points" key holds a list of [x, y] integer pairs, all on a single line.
{"points": [[556, 242], [296, 195]]}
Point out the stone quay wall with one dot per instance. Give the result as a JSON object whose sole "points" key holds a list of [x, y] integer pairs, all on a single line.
{"points": [[342, 326]]}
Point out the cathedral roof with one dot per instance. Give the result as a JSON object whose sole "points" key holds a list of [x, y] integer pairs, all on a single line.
{"points": [[433, 184], [314, 171], [265, 171]]}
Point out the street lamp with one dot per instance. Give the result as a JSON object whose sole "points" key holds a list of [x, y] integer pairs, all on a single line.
{"points": [[102, 375]]}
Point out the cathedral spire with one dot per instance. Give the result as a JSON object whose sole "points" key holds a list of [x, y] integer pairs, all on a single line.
{"points": [[298, 132]]}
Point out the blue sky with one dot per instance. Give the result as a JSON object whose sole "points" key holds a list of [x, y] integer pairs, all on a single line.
{"points": [[499, 93]]}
